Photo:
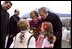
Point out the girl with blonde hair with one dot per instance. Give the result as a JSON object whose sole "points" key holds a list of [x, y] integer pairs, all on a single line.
{"points": [[23, 39]]}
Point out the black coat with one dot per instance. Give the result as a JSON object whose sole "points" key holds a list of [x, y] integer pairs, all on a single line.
{"points": [[57, 27], [13, 29], [13, 25], [4, 25]]}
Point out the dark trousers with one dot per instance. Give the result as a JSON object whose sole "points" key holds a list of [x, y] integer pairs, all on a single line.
{"points": [[10, 40], [2, 41]]}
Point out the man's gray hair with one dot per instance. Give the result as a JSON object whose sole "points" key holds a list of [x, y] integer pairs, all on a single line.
{"points": [[43, 9]]}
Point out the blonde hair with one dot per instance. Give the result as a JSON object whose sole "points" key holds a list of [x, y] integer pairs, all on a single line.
{"points": [[23, 24], [33, 14], [49, 33]]}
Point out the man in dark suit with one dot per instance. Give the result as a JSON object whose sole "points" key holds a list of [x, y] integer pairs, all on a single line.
{"points": [[13, 26], [57, 24], [4, 22]]}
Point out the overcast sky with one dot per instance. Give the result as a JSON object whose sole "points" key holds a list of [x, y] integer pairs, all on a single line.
{"points": [[27, 6]]}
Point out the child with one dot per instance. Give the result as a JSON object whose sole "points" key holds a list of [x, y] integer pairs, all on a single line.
{"points": [[46, 38], [21, 40]]}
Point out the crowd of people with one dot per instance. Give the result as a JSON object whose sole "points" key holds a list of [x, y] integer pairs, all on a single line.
{"points": [[46, 31]]}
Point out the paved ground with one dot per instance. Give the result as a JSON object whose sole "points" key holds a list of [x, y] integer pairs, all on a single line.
{"points": [[65, 44]]}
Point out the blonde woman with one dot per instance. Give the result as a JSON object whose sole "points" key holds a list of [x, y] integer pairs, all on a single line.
{"points": [[35, 23]]}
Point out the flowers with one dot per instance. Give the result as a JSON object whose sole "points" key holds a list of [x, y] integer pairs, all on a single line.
{"points": [[45, 26]]}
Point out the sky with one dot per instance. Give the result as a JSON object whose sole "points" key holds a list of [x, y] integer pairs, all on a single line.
{"points": [[63, 7]]}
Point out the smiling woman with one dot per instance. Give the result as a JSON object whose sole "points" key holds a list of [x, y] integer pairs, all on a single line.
{"points": [[27, 6]]}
